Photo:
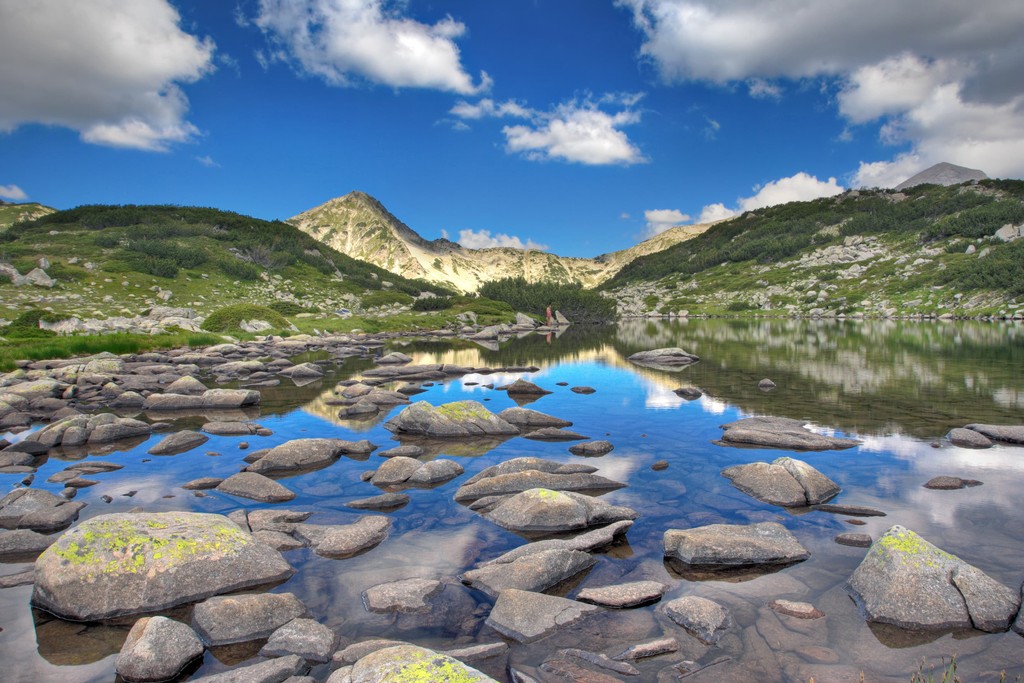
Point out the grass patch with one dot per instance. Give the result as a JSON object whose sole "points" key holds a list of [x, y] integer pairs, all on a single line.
{"points": [[86, 345], [229, 318]]}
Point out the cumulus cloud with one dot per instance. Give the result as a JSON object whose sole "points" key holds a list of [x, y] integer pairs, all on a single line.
{"points": [[660, 220], [800, 187], [13, 193], [345, 40], [579, 131], [482, 239], [941, 78], [110, 70], [761, 89]]}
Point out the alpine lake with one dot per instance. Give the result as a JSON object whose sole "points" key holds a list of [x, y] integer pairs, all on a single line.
{"points": [[896, 386]]}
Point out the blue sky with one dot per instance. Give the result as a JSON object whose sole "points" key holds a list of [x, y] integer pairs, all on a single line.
{"points": [[579, 126]]}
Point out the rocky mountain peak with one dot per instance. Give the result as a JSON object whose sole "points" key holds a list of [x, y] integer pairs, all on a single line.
{"points": [[943, 173]]}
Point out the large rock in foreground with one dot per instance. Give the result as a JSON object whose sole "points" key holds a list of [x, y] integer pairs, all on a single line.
{"points": [[119, 564], [785, 481], [414, 663], [157, 649], [460, 419], [906, 581], [779, 432], [734, 545]]}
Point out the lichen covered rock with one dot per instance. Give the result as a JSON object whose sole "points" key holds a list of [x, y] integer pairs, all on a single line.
{"points": [[412, 664], [458, 419]]}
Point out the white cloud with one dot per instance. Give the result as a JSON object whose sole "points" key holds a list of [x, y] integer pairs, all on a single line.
{"points": [[105, 68], [576, 131], [800, 187], [207, 161], [892, 86], [660, 220], [711, 130], [482, 239], [761, 89], [13, 193], [338, 40]]}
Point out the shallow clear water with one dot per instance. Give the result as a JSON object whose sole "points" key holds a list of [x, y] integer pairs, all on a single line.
{"points": [[899, 387]]}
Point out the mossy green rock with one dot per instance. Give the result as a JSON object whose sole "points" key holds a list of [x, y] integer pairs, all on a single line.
{"points": [[906, 581], [459, 419], [119, 564], [412, 664]]}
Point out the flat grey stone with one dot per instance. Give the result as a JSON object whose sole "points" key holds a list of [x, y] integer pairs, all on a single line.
{"points": [[553, 434], [673, 357], [37, 510], [202, 484], [534, 572], [785, 481], [273, 671], [409, 596], [734, 545], [231, 428], [356, 651], [968, 438], [854, 540], [300, 455], [592, 449], [779, 432], [544, 510], [255, 486], [800, 610], [585, 542], [407, 450], [121, 428], [385, 501], [525, 616], [522, 387], [228, 619], [1005, 433], [23, 545], [345, 540], [395, 471], [306, 638], [527, 419], [499, 481], [179, 442], [651, 648], [624, 595], [945, 483], [157, 649], [435, 472], [704, 618]]}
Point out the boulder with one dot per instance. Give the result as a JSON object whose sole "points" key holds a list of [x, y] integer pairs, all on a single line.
{"points": [[231, 428], [306, 638], [185, 385], [460, 419], [37, 510], [531, 419], [592, 449], [734, 545], [525, 616], [968, 438], [522, 387], [785, 481], [228, 619], [179, 442], [906, 581], [121, 428], [414, 663], [533, 572], [130, 563], [779, 432], [667, 358], [1006, 433], [409, 596], [624, 595], [23, 545], [545, 510], [300, 455], [157, 649], [340, 541], [393, 358], [256, 487], [704, 618], [408, 451]]}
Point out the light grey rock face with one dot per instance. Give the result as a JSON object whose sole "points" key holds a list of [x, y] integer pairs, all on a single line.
{"points": [[385, 501], [734, 545], [306, 638], [534, 572], [275, 671], [345, 540], [906, 581], [968, 438], [302, 371], [121, 428], [525, 616], [300, 455], [460, 419], [413, 663], [545, 510], [1018, 625], [186, 385], [231, 428], [651, 648], [592, 449], [227, 619], [670, 358], [37, 510], [703, 618], [179, 442], [256, 487], [211, 398], [132, 563], [624, 595], [943, 173], [785, 481], [526, 418], [409, 596], [1007, 433], [157, 649], [779, 432], [520, 474]]}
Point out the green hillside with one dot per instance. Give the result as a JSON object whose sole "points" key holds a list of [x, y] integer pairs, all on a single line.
{"points": [[119, 260], [926, 250], [15, 213]]}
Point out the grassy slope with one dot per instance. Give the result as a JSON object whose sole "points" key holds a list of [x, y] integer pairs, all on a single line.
{"points": [[15, 213], [754, 261]]}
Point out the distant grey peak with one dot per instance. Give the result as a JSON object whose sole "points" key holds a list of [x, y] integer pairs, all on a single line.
{"points": [[943, 174]]}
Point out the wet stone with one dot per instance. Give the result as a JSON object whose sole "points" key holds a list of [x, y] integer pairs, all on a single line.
{"points": [[408, 596], [385, 501], [800, 610], [651, 648], [178, 442], [306, 638], [945, 483], [854, 540], [635, 594], [228, 619], [525, 616], [592, 449], [704, 618], [968, 438], [157, 649], [256, 487]]}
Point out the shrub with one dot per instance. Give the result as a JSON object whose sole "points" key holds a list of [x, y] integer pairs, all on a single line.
{"points": [[240, 270], [574, 302], [386, 298], [26, 326], [432, 303], [229, 318], [291, 308]]}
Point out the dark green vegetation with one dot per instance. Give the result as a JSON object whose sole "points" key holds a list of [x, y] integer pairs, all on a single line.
{"points": [[926, 213], [574, 302], [229, 318]]}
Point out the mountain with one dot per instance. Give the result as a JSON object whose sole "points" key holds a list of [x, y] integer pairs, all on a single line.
{"points": [[943, 174], [929, 250], [16, 213], [359, 225]]}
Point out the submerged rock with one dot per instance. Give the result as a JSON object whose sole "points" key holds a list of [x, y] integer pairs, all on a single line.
{"points": [[525, 616], [734, 545], [592, 449], [906, 581], [131, 563], [409, 596], [624, 595], [785, 481], [704, 618], [779, 432], [460, 419], [534, 572]]}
